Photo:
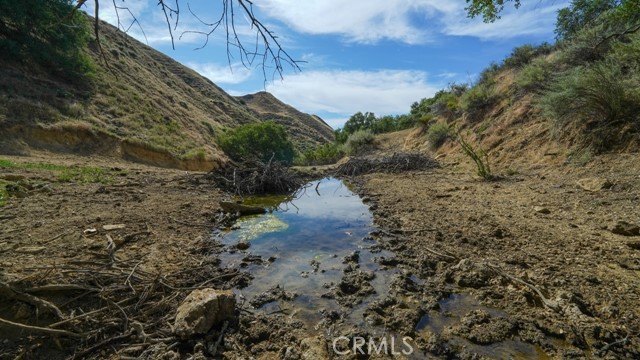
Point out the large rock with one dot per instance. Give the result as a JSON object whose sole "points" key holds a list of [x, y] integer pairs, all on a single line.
{"points": [[202, 309]]}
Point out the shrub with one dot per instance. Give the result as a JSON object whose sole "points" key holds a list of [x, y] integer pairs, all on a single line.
{"points": [[325, 154], [488, 75], [627, 53], [477, 101], [359, 142], [438, 134], [534, 77], [259, 140], [479, 157], [447, 105], [525, 54], [600, 100], [586, 47]]}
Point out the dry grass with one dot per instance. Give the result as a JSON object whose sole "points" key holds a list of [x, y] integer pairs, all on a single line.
{"points": [[141, 95]]}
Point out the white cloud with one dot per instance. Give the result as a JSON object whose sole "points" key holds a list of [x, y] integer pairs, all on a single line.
{"points": [[532, 18], [363, 21], [342, 92], [408, 21], [222, 74]]}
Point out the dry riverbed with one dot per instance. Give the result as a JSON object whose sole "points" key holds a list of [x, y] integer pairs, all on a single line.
{"points": [[531, 266]]}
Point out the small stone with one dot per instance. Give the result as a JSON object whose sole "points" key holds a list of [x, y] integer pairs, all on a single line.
{"points": [[594, 184], [202, 309], [243, 245], [354, 257], [114, 227], [626, 229], [541, 210]]}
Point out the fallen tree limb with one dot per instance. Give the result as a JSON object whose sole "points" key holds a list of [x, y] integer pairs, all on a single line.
{"points": [[546, 302], [41, 330], [42, 305], [606, 348], [59, 287], [440, 254]]}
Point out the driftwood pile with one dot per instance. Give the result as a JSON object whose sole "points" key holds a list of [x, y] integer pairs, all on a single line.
{"points": [[256, 177], [396, 163], [92, 309]]}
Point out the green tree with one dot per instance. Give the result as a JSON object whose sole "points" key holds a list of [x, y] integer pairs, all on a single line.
{"points": [[579, 14], [489, 9], [47, 32], [260, 140]]}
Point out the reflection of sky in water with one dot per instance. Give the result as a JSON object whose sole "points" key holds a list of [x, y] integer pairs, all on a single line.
{"points": [[323, 225], [327, 221], [332, 200]]}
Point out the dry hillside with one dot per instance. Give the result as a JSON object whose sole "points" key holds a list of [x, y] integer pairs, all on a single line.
{"points": [[141, 105]]}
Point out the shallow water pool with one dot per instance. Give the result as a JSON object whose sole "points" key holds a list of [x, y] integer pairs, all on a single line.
{"points": [[301, 247]]}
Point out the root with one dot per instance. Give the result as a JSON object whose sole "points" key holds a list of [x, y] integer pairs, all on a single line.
{"points": [[42, 330], [606, 348], [546, 302], [42, 305]]}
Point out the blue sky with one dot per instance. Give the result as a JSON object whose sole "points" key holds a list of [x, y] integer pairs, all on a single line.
{"points": [[361, 55]]}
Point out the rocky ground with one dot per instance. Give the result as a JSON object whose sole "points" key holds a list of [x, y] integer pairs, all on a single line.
{"points": [[541, 260]]}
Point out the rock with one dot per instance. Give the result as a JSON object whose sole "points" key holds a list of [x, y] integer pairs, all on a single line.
{"points": [[594, 184], [314, 348], [625, 229], [243, 245], [353, 257], [541, 210], [231, 207], [114, 227], [202, 309]]}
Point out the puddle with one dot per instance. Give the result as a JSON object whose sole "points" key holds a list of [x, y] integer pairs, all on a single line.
{"points": [[301, 245], [454, 308]]}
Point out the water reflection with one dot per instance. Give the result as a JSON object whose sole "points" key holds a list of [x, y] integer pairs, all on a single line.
{"points": [[306, 238]]}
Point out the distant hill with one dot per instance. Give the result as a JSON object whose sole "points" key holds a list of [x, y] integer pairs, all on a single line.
{"points": [[305, 129], [141, 105]]}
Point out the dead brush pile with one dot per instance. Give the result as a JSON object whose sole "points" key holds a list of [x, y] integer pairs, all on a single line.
{"points": [[396, 163], [103, 307], [256, 177]]}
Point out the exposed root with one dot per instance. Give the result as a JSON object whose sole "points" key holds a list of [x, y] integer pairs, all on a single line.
{"points": [[8, 292], [546, 302], [41, 330]]}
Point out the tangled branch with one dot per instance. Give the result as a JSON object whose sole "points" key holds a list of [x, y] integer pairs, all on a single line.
{"points": [[266, 51]]}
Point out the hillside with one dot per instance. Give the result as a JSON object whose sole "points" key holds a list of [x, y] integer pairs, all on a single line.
{"points": [[305, 129], [141, 105]]}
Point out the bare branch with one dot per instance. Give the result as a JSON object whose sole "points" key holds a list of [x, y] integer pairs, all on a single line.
{"points": [[267, 50]]}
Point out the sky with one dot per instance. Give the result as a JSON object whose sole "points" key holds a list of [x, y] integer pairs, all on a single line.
{"points": [[378, 56]]}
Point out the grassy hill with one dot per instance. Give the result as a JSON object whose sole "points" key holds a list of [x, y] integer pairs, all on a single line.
{"points": [[140, 105], [306, 130]]}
